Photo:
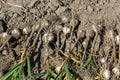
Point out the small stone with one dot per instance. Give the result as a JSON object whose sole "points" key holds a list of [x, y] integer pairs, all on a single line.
{"points": [[90, 9], [5, 52]]}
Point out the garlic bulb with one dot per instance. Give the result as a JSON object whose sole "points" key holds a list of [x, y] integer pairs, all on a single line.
{"points": [[58, 27], [16, 32], [4, 35], [66, 30], [26, 30], [106, 74], [81, 34], [5, 52], [48, 37], [116, 71], [44, 23], [117, 39], [57, 69], [103, 60], [65, 19]]}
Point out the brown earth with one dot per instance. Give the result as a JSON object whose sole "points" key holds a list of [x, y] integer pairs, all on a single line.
{"points": [[48, 26]]}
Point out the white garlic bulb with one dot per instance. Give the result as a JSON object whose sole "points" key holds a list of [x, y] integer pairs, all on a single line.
{"points": [[117, 39], [66, 30], [48, 37], [16, 32], [57, 69], [5, 52], [116, 71], [64, 19], [103, 60], [44, 23], [26, 30], [106, 74], [58, 27], [4, 35]]}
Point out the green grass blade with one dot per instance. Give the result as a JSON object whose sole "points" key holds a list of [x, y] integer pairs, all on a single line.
{"points": [[39, 75], [59, 76], [52, 73], [10, 72], [28, 66], [67, 72], [85, 65]]}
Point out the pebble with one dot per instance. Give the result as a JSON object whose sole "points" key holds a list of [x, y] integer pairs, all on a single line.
{"points": [[5, 52], [90, 9]]}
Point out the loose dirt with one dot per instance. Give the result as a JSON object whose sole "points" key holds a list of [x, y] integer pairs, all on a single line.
{"points": [[57, 30]]}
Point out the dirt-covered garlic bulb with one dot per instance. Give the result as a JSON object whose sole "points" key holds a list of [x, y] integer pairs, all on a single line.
{"points": [[57, 69], [5, 52], [106, 74], [81, 33], [66, 30], [26, 30], [117, 39], [16, 33], [116, 71], [103, 60], [90, 33], [45, 23], [4, 36], [58, 27], [48, 37], [35, 27]]}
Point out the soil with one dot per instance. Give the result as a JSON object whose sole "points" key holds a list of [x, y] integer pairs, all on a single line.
{"points": [[52, 30]]}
